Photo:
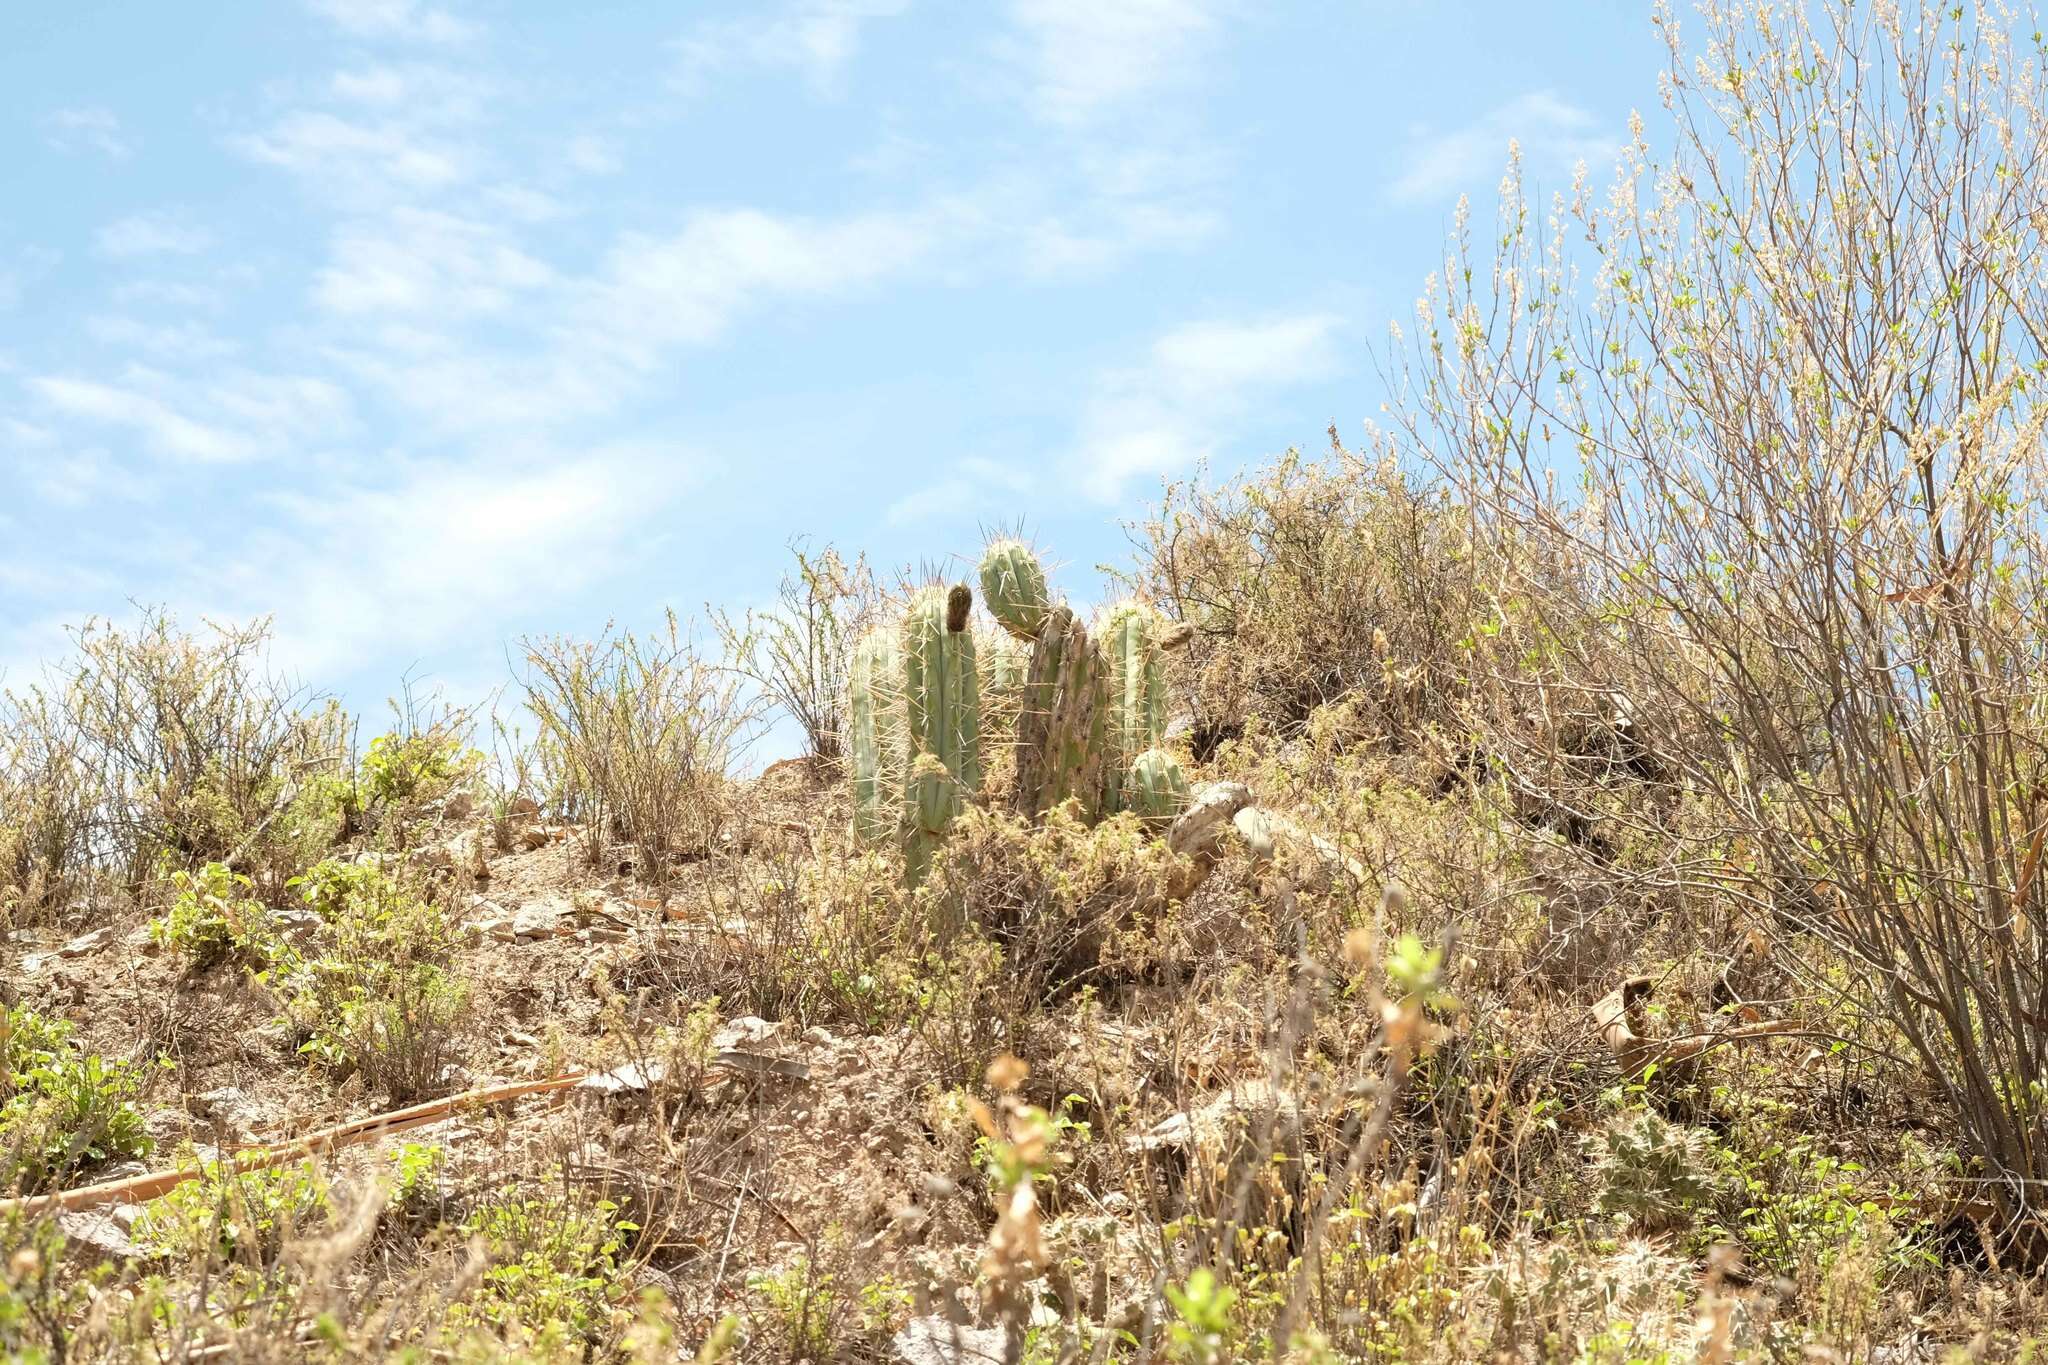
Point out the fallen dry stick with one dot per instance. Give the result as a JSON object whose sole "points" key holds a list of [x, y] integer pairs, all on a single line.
{"points": [[137, 1188], [154, 1184]]}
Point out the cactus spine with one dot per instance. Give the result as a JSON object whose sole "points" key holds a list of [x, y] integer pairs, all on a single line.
{"points": [[1013, 586], [1060, 733]]}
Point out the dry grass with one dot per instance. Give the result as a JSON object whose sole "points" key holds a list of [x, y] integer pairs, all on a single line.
{"points": [[1753, 720]]}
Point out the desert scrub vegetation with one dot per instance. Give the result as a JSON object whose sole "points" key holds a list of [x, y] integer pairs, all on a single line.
{"points": [[1555, 879], [375, 994], [636, 738]]}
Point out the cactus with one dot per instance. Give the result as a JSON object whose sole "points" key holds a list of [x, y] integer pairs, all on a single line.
{"points": [[1060, 731], [876, 741], [942, 706], [1089, 712], [1008, 665], [1155, 788], [1013, 587], [1135, 691]]}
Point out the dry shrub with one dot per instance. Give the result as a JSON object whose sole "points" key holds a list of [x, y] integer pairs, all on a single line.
{"points": [[1068, 903], [154, 747], [1790, 439], [796, 652], [637, 735], [45, 808], [818, 936], [1310, 581]]}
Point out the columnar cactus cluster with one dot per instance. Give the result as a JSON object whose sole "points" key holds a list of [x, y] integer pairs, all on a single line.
{"points": [[1090, 713]]}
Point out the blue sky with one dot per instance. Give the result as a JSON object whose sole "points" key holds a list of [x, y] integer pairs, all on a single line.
{"points": [[422, 326]]}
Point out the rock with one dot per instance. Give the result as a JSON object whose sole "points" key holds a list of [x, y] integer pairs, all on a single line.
{"points": [[461, 850], [1236, 1137], [297, 924], [630, 1079], [935, 1341], [103, 1233], [1197, 828], [536, 919], [746, 1031], [77, 947]]}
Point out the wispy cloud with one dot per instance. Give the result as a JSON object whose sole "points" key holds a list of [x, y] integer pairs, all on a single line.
{"points": [[1190, 395], [1554, 134], [427, 551], [88, 128], [976, 484], [247, 415], [1085, 58], [181, 341], [166, 232], [689, 286], [339, 152], [815, 38], [415, 261], [404, 20], [21, 268], [69, 475]]}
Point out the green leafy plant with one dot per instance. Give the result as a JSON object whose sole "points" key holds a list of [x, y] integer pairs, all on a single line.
{"points": [[243, 1216], [60, 1107], [213, 918], [398, 768], [377, 996], [1201, 1331], [555, 1266]]}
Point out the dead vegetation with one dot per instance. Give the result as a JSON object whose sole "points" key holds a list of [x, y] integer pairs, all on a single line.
{"points": [[1605, 925]]}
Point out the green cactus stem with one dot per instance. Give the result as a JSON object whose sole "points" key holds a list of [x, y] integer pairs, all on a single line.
{"points": [[1135, 690], [1155, 788], [942, 708], [876, 741], [1013, 587], [1060, 729]]}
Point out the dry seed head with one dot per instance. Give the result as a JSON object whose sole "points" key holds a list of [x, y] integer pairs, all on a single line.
{"points": [[1007, 1072]]}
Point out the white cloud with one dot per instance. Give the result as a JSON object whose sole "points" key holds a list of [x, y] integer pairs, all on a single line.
{"points": [[88, 128], [1554, 134], [1084, 58], [976, 484], [349, 156], [413, 261], [248, 415], [816, 38], [170, 293], [161, 233], [1191, 394], [176, 341], [592, 155], [404, 20], [445, 550], [688, 287]]}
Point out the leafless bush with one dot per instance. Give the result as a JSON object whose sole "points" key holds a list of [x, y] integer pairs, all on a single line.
{"points": [[796, 653], [1799, 409], [636, 738], [45, 806], [156, 743]]}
